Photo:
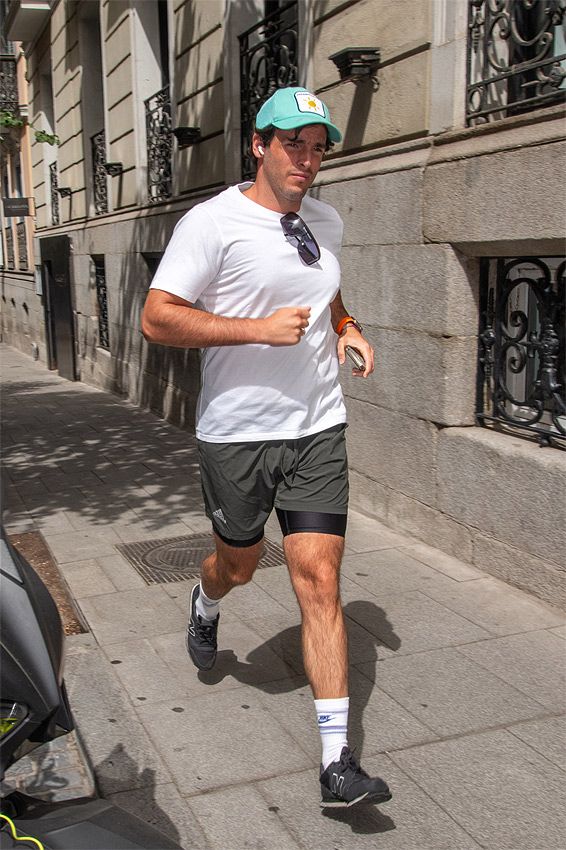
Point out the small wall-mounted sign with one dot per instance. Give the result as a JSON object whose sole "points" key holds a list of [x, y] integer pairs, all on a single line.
{"points": [[16, 207]]}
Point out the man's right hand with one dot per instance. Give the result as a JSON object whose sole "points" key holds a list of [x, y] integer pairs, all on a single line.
{"points": [[285, 326]]}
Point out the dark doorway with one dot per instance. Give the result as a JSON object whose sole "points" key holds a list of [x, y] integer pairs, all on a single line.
{"points": [[55, 255]]}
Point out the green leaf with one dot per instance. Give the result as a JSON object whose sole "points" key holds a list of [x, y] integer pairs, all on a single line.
{"points": [[9, 119], [44, 136]]}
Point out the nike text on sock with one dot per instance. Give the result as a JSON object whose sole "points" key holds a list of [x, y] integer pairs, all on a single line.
{"points": [[207, 608], [332, 716]]}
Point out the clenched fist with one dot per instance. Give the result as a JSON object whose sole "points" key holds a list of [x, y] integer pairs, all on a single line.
{"points": [[285, 326]]}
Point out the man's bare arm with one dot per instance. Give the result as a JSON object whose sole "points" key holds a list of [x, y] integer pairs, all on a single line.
{"points": [[350, 336], [170, 320]]}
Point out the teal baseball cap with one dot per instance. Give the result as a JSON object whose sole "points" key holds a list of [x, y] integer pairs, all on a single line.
{"points": [[291, 108]]}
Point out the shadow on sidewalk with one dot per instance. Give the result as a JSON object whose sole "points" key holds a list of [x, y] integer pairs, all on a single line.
{"points": [[364, 820], [287, 645], [95, 457], [121, 781]]}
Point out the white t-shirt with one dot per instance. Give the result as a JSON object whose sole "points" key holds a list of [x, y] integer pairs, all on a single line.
{"points": [[229, 256]]}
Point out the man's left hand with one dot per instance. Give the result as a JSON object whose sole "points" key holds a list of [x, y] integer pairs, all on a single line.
{"points": [[352, 336]]}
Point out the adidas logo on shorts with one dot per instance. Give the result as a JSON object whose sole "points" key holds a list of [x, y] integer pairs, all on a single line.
{"points": [[219, 515]]}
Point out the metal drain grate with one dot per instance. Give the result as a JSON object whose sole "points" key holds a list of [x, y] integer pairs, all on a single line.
{"points": [[178, 558]]}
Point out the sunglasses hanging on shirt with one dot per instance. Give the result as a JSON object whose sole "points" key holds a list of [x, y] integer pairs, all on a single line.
{"points": [[298, 234]]}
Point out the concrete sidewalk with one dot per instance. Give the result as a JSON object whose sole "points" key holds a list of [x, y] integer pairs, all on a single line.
{"points": [[457, 679]]}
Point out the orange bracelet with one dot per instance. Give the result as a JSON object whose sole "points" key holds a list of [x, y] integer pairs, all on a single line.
{"points": [[347, 320]]}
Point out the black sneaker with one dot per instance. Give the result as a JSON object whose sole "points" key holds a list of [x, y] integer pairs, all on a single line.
{"points": [[344, 783], [201, 636]]}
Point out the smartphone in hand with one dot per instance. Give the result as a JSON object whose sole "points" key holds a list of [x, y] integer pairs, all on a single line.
{"points": [[356, 358]]}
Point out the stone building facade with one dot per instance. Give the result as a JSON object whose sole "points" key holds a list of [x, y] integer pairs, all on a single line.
{"points": [[450, 183]]}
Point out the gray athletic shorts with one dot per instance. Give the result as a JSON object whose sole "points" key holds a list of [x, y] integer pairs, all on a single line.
{"points": [[243, 482]]}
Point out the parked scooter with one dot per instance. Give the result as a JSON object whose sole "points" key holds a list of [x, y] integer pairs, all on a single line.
{"points": [[33, 710]]}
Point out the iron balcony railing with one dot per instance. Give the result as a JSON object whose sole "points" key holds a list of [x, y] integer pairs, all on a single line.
{"points": [[159, 145], [522, 350], [99, 176], [516, 57], [54, 185], [8, 83], [268, 61]]}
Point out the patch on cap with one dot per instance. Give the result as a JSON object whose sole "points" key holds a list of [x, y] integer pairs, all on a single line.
{"points": [[307, 102]]}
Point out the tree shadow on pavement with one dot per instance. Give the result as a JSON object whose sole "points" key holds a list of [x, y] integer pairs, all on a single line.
{"points": [[75, 457]]}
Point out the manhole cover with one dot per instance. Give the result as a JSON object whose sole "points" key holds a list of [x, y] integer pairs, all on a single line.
{"points": [[178, 558]]}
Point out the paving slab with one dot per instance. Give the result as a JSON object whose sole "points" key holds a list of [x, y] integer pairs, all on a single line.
{"points": [[505, 795], [140, 530], [534, 663], [162, 669], [227, 737], [117, 617], [450, 694], [547, 736], [55, 771], [165, 809], [365, 534], [219, 814], [120, 572], [121, 753], [86, 578], [442, 563], [81, 545], [413, 622], [410, 821], [388, 571], [495, 606]]}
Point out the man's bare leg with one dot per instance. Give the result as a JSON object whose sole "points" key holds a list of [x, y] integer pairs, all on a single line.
{"points": [[314, 566], [227, 567]]}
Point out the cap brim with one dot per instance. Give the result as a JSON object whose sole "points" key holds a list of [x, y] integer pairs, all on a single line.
{"points": [[303, 121]]}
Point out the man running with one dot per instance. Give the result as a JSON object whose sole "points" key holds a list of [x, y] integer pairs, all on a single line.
{"points": [[252, 277]]}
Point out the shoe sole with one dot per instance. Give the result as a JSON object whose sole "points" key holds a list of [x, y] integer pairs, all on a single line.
{"points": [[365, 798]]}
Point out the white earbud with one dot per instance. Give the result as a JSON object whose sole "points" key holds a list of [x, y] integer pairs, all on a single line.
{"points": [[261, 150]]}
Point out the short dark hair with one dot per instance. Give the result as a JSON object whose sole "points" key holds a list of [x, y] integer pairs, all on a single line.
{"points": [[267, 134]]}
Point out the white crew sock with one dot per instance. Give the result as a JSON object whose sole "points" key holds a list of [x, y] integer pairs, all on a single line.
{"points": [[332, 716], [205, 607]]}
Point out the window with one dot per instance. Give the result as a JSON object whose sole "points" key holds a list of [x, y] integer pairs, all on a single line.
{"points": [[268, 61], [516, 57], [92, 106], [102, 302], [154, 34], [522, 352]]}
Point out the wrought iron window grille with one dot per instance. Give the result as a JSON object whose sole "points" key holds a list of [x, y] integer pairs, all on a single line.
{"points": [[159, 139], [522, 348], [10, 255], [268, 61], [22, 245], [99, 176], [516, 57], [102, 303], [8, 83], [54, 185]]}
